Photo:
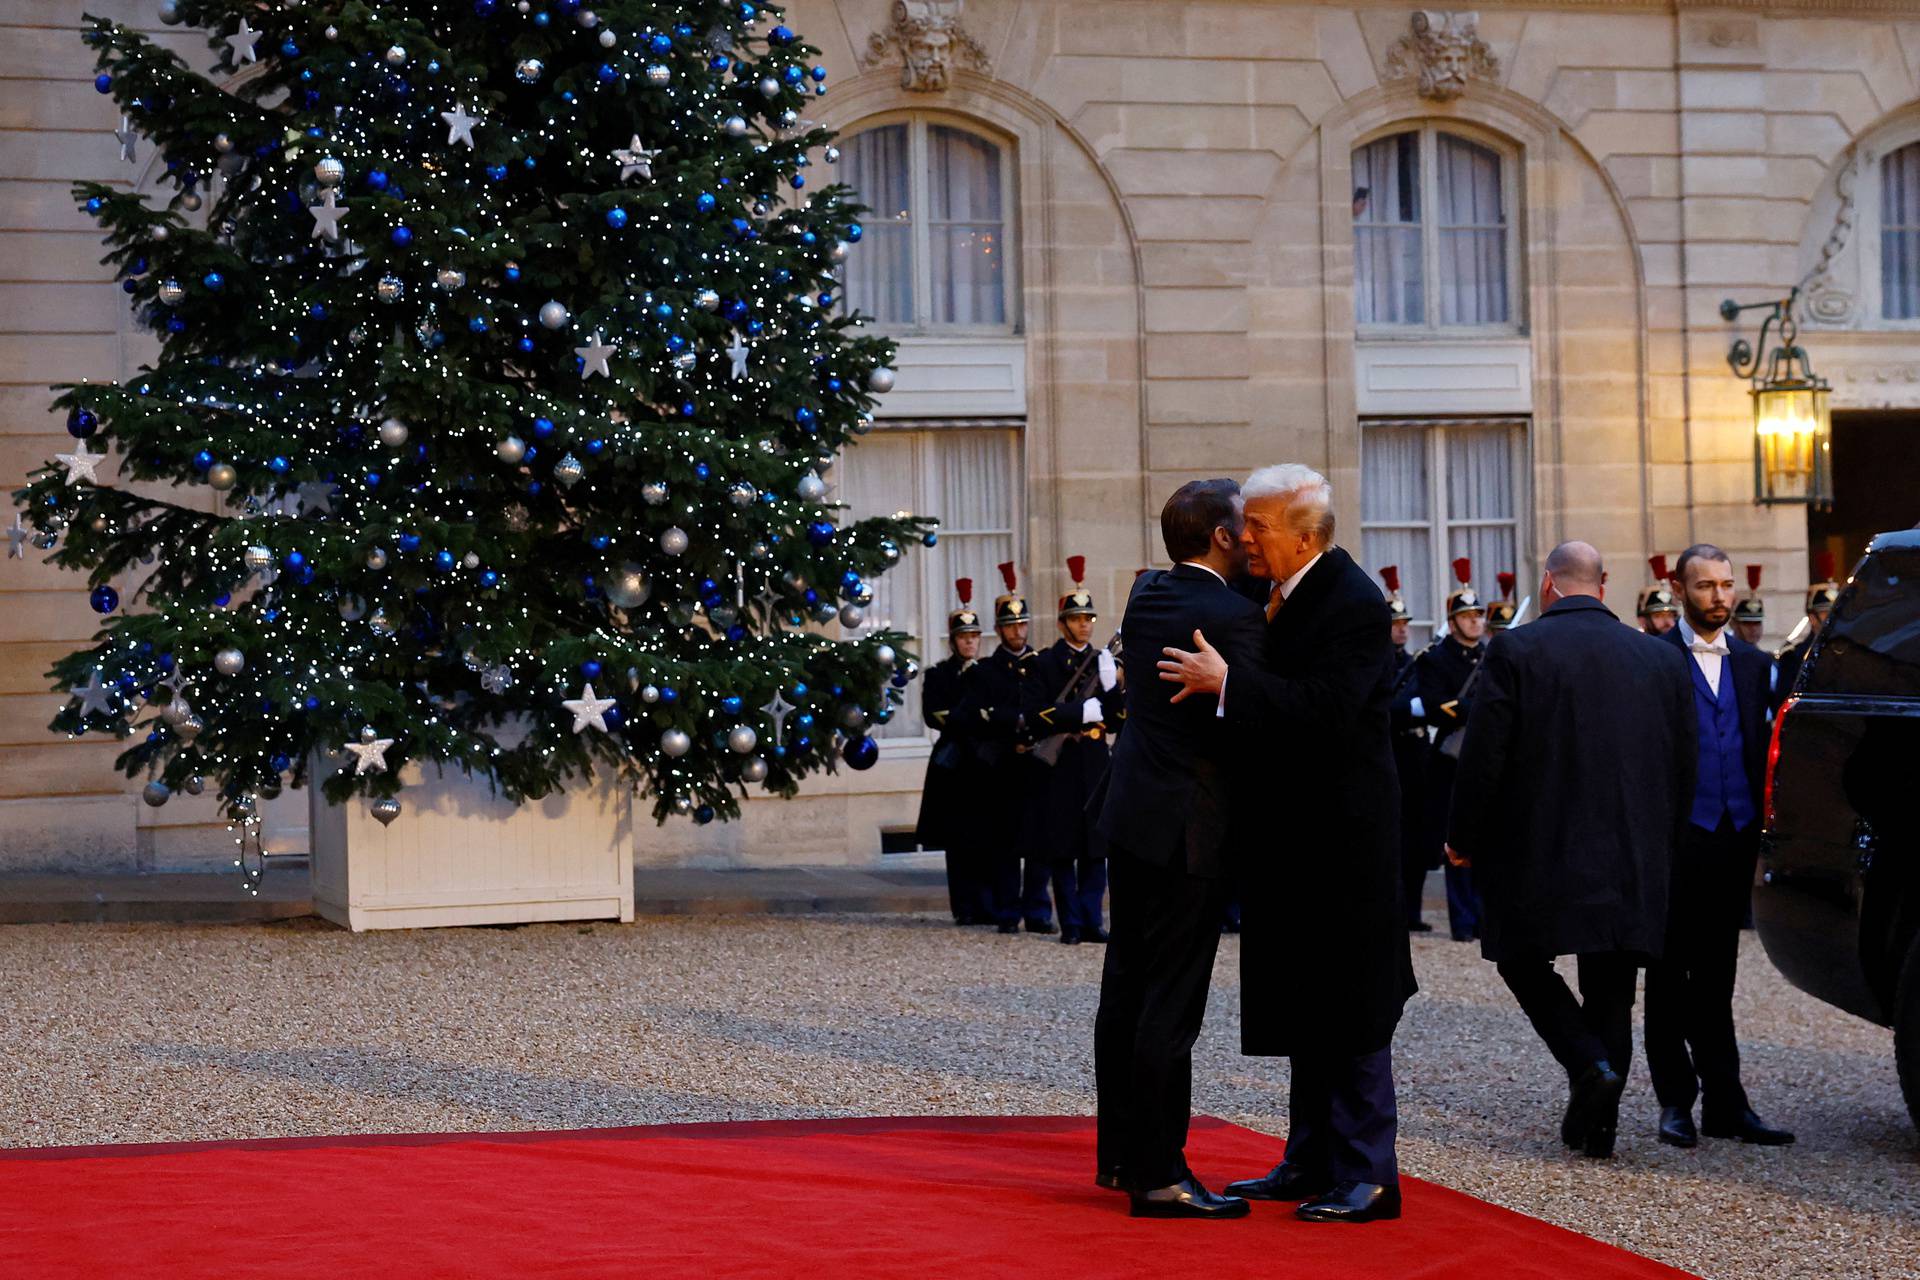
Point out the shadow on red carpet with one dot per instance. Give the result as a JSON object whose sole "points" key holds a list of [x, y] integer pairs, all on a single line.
{"points": [[832, 1199]]}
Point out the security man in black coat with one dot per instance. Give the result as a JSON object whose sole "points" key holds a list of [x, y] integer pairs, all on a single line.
{"points": [[1441, 679], [1325, 969], [953, 775], [994, 708], [1789, 657], [1417, 858], [1573, 782], [1073, 732]]}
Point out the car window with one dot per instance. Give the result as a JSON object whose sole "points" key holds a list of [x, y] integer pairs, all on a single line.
{"points": [[1872, 643]]}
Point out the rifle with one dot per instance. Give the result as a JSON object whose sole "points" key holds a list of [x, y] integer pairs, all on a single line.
{"points": [[1047, 750]]}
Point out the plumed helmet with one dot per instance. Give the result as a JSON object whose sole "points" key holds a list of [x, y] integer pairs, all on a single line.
{"points": [[1823, 594], [1657, 598], [1500, 612], [963, 621], [1751, 607], [1390, 574], [1463, 599], [1077, 603], [1010, 606]]}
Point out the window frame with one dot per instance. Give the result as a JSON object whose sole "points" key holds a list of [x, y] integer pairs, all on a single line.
{"points": [[1439, 525], [919, 150], [1869, 195], [1511, 208]]}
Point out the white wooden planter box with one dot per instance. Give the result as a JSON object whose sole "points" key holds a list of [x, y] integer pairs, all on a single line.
{"points": [[459, 854]]}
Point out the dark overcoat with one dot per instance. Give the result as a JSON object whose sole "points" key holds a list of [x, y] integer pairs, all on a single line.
{"points": [[992, 706], [1324, 961], [1168, 796], [945, 797], [1575, 780], [1075, 775], [1410, 765]]}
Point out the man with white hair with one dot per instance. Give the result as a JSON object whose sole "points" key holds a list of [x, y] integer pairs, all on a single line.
{"points": [[1324, 962]]}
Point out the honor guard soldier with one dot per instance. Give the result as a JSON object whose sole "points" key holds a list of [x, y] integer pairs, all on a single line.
{"points": [[1073, 726], [1417, 858], [1657, 611], [1820, 599], [953, 775], [1750, 613], [994, 708], [1444, 680], [1500, 612]]}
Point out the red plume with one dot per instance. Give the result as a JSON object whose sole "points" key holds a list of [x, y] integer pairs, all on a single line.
{"points": [[1506, 581], [1824, 562], [963, 587], [1077, 568], [1659, 566], [1463, 570], [1006, 574], [1753, 577], [1390, 574]]}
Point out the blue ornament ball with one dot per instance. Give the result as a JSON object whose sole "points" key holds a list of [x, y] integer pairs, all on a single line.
{"points": [[81, 423], [820, 533], [590, 669], [402, 236], [703, 815], [103, 82], [780, 35], [616, 217], [104, 599], [860, 753], [281, 763], [443, 561]]}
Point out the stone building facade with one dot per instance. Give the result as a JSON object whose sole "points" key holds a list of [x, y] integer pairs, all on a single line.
{"points": [[1469, 263]]}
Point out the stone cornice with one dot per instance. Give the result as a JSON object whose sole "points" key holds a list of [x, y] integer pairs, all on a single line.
{"points": [[1868, 9]]}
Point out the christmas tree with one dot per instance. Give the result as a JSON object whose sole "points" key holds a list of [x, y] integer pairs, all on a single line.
{"points": [[507, 337]]}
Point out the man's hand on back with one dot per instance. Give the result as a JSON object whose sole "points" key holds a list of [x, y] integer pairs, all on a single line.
{"points": [[1204, 671]]}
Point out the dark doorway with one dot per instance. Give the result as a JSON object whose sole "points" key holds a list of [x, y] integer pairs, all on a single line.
{"points": [[1876, 485]]}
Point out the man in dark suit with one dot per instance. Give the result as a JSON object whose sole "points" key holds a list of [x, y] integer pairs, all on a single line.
{"points": [[993, 708], [953, 776], [1691, 1049], [1324, 962], [1164, 813], [1573, 783]]}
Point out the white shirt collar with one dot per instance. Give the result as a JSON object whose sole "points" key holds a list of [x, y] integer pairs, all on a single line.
{"points": [[1717, 642], [1209, 568], [1287, 587]]}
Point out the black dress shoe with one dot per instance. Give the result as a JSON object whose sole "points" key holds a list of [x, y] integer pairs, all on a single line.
{"points": [[1070, 937], [1041, 926], [1283, 1182], [1601, 1138], [1676, 1127], [1352, 1202], [1093, 935], [1009, 927], [1745, 1126], [1186, 1199], [1110, 1180], [1419, 926], [1596, 1095]]}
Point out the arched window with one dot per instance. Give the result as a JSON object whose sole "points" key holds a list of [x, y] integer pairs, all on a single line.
{"points": [[1432, 245], [1900, 233], [937, 253]]}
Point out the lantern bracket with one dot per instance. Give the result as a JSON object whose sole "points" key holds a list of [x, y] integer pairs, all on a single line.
{"points": [[1786, 362]]}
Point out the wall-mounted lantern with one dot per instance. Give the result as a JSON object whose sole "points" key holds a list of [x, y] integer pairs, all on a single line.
{"points": [[1792, 421]]}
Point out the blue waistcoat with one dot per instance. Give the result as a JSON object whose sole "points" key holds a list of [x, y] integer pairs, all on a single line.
{"points": [[1721, 789]]}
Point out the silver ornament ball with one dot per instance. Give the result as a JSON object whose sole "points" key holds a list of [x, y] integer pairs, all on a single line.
{"points": [[568, 471], [884, 655], [329, 172], [510, 449], [380, 624], [156, 793], [852, 718], [659, 74], [674, 743], [683, 805], [654, 492], [629, 587], [741, 739], [389, 289], [352, 608], [839, 251], [385, 810], [553, 315], [769, 87], [735, 127], [229, 662], [396, 56], [191, 202], [451, 278], [650, 694], [753, 769], [393, 433], [811, 488], [741, 494], [376, 559], [530, 70], [852, 615], [825, 611], [221, 475], [222, 143], [169, 12], [608, 39], [172, 292], [194, 786], [880, 381], [674, 541], [257, 558], [707, 300]]}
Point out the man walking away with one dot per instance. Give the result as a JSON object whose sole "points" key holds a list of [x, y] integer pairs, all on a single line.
{"points": [[1164, 812], [1574, 779], [1690, 992]]}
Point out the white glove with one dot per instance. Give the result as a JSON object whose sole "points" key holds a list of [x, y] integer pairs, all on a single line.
{"points": [[1109, 671], [1090, 712]]}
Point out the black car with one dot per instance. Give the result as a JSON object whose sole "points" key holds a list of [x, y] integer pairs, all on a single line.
{"points": [[1837, 893]]}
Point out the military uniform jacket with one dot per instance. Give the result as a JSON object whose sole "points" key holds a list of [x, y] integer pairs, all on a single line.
{"points": [[993, 705], [1410, 762], [1083, 761], [943, 800], [1440, 676]]}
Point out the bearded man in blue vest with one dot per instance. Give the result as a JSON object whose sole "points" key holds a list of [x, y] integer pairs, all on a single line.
{"points": [[1691, 1050]]}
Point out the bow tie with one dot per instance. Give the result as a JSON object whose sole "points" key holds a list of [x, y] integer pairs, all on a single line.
{"points": [[1701, 646]]}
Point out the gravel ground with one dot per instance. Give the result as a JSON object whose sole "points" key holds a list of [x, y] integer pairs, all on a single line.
{"points": [[137, 1033]]}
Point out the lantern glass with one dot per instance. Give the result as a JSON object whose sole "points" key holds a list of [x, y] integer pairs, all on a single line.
{"points": [[1792, 442]]}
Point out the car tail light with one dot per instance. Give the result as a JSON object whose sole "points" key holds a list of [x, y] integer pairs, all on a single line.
{"points": [[1773, 756]]}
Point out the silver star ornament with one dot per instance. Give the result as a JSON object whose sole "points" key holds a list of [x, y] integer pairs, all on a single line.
{"points": [[369, 757], [327, 215], [17, 535], [737, 352], [593, 356], [93, 695], [635, 159], [459, 125], [81, 464], [588, 710], [242, 42], [127, 135]]}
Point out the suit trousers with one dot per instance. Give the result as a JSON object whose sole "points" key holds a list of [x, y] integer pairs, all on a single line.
{"points": [[1691, 1050], [1598, 1027], [1342, 1118], [1153, 995]]}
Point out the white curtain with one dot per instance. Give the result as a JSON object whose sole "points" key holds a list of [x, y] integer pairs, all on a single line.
{"points": [[879, 276], [966, 240], [1388, 283], [1472, 233], [967, 478], [1900, 234], [1396, 513], [1480, 487]]}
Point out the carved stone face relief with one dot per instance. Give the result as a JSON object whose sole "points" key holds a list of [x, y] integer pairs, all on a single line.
{"points": [[929, 37], [1445, 51]]}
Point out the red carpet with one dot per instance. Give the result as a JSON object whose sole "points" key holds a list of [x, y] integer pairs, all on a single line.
{"points": [[822, 1200]]}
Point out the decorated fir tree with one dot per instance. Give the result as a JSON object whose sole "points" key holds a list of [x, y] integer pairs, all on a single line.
{"points": [[507, 337]]}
